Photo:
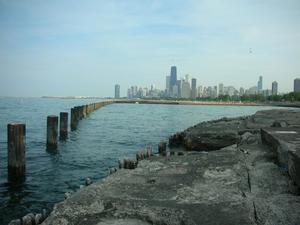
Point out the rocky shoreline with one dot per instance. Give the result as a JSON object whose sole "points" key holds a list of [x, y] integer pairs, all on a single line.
{"points": [[243, 170]]}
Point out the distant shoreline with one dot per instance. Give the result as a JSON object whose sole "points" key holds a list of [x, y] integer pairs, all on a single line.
{"points": [[189, 102], [182, 102], [173, 102]]}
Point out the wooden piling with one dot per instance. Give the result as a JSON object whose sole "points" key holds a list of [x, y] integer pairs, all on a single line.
{"points": [[63, 125], [162, 148], [16, 135], [52, 127], [73, 119]]}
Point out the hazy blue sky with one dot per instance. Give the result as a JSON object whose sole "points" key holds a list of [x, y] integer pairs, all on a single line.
{"points": [[61, 47]]}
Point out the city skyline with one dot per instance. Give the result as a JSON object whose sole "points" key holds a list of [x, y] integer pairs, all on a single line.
{"points": [[64, 48], [187, 88]]}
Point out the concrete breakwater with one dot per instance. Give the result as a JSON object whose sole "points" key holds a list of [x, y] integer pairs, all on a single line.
{"points": [[237, 171]]}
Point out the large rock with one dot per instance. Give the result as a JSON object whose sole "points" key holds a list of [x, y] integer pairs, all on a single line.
{"points": [[217, 134]]}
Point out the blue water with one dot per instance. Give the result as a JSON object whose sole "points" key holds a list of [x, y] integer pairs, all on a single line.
{"points": [[108, 134]]}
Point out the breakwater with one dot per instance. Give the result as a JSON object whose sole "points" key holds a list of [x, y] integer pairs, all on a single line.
{"points": [[252, 179], [100, 140]]}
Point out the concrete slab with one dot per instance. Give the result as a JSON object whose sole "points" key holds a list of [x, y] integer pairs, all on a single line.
{"points": [[286, 143]]}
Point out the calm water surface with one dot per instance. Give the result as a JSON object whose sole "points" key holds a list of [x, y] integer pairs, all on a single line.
{"points": [[113, 132]]}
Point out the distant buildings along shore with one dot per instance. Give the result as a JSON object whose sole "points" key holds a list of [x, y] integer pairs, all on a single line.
{"points": [[186, 88]]}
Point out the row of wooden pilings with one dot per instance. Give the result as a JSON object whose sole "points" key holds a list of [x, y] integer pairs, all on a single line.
{"points": [[16, 136]]}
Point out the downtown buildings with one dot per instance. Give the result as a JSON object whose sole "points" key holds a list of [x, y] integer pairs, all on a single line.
{"points": [[187, 88], [181, 88]]}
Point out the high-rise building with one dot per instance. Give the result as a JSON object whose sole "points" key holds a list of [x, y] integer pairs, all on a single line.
{"points": [[215, 92], [297, 85], [260, 84], [168, 84], [175, 91], [129, 94], [194, 88], [274, 88], [179, 82], [200, 93], [117, 91], [187, 78], [242, 91], [173, 76], [185, 90], [221, 89]]}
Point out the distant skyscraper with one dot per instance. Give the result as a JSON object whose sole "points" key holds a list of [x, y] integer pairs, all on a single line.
{"points": [[297, 85], [274, 88], [260, 84], [173, 75], [242, 91], [215, 92], [187, 78], [200, 93], [117, 91], [168, 84], [129, 94], [174, 91], [185, 90], [179, 82], [221, 89], [194, 88]]}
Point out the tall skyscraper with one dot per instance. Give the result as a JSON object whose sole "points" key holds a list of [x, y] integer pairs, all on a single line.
{"points": [[117, 91], [185, 90], [260, 84], [297, 85], [194, 88], [168, 84], [200, 93], [173, 75], [221, 89], [215, 92], [274, 88], [242, 91], [179, 83]]}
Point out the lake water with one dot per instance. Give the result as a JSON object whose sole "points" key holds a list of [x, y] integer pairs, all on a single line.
{"points": [[108, 134]]}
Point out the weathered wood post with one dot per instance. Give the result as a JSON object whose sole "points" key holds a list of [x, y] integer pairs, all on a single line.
{"points": [[63, 125], [52, 128], [83, 111], [162, 148], [16, 135], [73, 119]]}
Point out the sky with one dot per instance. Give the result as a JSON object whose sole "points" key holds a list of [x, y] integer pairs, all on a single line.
{"points": [[84, 48]]}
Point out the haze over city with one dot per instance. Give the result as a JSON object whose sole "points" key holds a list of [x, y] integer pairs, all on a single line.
{"points": [[62, 48]]}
